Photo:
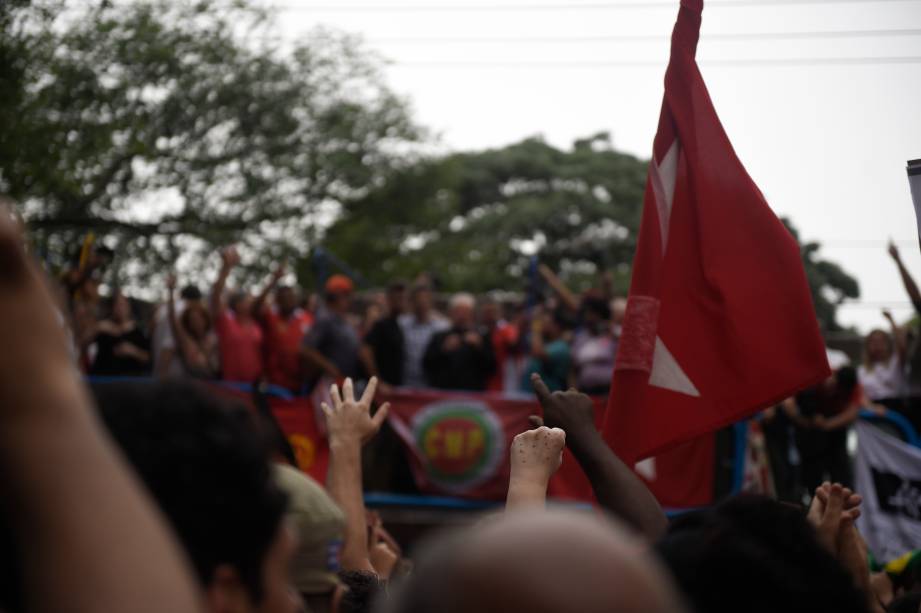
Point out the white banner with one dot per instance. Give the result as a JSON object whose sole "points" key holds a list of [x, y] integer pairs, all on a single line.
{"points": [[889, 479], [914, 184]]}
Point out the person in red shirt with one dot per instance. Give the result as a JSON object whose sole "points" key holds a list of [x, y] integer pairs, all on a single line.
{"points": [[504, 337], [284, 326], [238, 333]]}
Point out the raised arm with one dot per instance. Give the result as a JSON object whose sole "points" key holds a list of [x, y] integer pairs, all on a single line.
{"points": [[229, 259], [87, 536], [262, 298], [535, 456], [538, 349], [180, 336], [899, 340], [616, 486], [910, 286], [351, 425], [566, 296]]}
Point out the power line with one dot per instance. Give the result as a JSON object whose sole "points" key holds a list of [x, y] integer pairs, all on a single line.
{"points": [[590, 6], [577, 64], [739, 36], [533, 7], [859, 243]]}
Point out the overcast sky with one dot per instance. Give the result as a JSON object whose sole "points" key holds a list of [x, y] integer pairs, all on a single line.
{"points": [[827, 142]]}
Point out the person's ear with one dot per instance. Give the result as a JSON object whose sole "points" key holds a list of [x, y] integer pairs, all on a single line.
{"points": [[226, 592]]}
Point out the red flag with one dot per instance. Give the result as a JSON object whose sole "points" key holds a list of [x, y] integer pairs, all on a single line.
{"points": [[720, 321]]}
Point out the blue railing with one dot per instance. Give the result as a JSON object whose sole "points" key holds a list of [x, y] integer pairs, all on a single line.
{"points": [[897, 420], [385, 499]]}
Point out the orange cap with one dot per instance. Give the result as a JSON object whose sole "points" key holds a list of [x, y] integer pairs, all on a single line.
{"points": [[339, 284]]}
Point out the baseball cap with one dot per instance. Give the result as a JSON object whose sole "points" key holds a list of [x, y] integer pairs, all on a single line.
{"points": [[320, 524], [339, 284]]}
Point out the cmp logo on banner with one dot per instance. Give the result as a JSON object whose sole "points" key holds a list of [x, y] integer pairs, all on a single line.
{"points": [[461, 443], [889, 478]]}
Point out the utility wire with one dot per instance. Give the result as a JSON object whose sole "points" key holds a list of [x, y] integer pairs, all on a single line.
{"points": [[578, 64], [614, 38], [532, 7], [585, 6]]}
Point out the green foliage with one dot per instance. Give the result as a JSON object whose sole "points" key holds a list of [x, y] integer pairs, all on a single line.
{"points": [[475, 219], [829, 283], [174, 127]]}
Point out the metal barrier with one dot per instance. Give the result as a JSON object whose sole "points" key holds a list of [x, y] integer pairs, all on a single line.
{"points": [[898, 421]]}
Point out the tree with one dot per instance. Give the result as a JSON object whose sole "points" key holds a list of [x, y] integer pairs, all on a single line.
{"points": [[830, 284], [475, 219], [175, 127]]}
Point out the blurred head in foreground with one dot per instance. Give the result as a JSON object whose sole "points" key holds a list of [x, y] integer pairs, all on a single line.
{"points": [[207, 468], [756, 554], [540, 562]]}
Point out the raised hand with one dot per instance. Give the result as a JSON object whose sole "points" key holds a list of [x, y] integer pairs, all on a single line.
{"points": [[230, 257], [350, 420], [833, 506], [537, 454], [572, 411], [893, 250], [171, 281], [280, 271]]}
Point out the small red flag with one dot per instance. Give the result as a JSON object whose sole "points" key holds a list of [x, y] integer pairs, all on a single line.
{"points": [[720, 321]]}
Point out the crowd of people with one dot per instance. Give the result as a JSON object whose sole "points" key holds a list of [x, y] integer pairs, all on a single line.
{"points": [[410, 335], [292, 340], [159, 495]]}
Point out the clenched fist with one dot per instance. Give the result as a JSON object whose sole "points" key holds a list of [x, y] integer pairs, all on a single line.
{"points": [[537, 454]]}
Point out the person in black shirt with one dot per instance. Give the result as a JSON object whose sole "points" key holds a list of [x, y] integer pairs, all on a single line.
{"points": [[460, 358], [122, 348], [383, 349]]}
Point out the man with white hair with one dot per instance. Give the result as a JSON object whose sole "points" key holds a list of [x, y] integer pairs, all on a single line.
{"points": [[461, 357]]}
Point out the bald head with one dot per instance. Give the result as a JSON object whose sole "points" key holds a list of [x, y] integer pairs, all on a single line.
{"points": [[538, 562]]}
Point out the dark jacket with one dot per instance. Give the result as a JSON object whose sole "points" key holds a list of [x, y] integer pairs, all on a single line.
{"points": [[468, 367]]}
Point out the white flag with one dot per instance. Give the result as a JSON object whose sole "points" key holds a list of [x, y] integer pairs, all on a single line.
{"points": [[889, 479]]}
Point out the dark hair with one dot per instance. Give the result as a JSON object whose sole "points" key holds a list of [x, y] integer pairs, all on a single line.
{"points": [[236, 298], [397, 286], [756, 551], [907, 603], [190, 292], [363, 590], [563, 319], [598, 306], [204, 463]]}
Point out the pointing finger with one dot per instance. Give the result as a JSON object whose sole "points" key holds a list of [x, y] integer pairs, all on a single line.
{"points": [[540, 388]]}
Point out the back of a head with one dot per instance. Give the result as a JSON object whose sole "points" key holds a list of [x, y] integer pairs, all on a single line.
{"points": [[909, 603], [758, 555], [207, 468], [537, 562]]}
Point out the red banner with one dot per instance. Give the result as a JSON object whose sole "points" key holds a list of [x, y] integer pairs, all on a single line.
{"points": [[299, 424], [458, 445]]}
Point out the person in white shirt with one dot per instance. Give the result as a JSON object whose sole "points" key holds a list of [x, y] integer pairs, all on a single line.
{"points": [[882, 373]]}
